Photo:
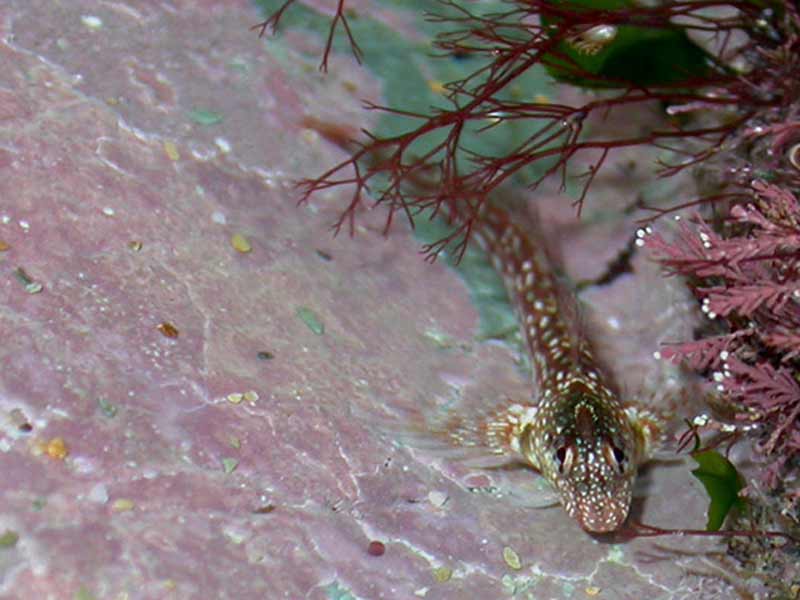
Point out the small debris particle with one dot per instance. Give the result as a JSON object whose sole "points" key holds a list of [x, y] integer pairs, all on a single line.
{"points": [[223, 145], [9, 539], [122, 505], [235, 398], [264, 355], [251, 396], [205, 117], [219, 217], [38, 503], [92, 22], [312, 321], [511, 558], [437, 87], [264, 510], [324, 255], [240, 243], [168, 330], [236, 535], [229, 465], [107, 408], [109, 212], [439, 338], [592, 590], [309, 136], [438, 499], [135, 245], [4, 246], [19, 419], [57, 448], [31, 286], [234, 442], [98, 493], [376, 548], [442, 574], [171, 150]]}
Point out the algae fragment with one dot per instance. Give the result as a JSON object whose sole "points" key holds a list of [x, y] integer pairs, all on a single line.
{"points": [[205, 117], [83, 593], [171, 150], [511, 558], [122, 505], [107, 408], [235, 398], [240, 243], [335, 591], [312, 321], [9, 539], [31, 286]]}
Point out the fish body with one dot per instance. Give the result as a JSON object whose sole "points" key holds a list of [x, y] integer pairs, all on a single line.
{"points": [[576, 431]]}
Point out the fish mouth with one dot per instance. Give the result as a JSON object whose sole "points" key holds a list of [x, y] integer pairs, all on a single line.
{"points": [[607, 524], [600, 513], [607, 519]]}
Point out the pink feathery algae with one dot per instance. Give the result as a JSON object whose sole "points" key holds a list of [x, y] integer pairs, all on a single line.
{"points": [[747, 279]]}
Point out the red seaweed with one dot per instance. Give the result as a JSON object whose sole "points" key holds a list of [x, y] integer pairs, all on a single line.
{"points": [[388, 170]]}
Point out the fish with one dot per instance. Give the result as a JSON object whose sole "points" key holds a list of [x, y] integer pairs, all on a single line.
{"points": [[575, 430]]}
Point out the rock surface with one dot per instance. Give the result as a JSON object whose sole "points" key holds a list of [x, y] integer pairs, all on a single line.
{"points": [[182, 419]]}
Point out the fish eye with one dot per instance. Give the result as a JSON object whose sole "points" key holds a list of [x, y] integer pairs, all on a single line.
{"points": [[794, 156], [617, 457]]}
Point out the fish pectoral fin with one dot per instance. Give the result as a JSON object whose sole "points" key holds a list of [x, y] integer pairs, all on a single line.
{"points": [[533, 492]]}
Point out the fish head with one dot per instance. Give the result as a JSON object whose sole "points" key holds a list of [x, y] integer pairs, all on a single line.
{"points": [[587, 452]]}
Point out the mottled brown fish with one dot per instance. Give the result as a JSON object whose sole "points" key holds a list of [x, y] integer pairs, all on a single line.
{"points": [[576, 432]]}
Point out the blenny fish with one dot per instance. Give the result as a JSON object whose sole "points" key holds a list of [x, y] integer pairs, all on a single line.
{"points": [[575, 431]]}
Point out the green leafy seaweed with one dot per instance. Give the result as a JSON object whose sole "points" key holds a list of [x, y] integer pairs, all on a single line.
{"points": [[722, 483], [641, 56]]}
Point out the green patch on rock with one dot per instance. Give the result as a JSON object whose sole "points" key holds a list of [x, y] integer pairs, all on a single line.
{"points": [[335, 591], [414, 72], [485, 286], [9, 539]]}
